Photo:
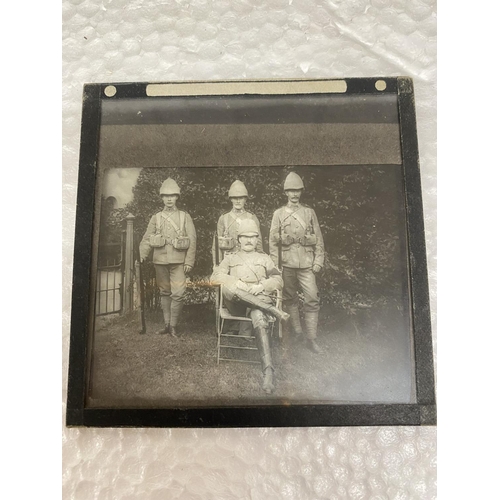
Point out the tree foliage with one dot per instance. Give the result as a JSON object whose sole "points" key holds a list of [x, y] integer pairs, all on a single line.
{"points": [[360, 211]]}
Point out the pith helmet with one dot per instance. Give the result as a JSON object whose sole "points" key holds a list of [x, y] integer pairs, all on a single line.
{"points": [[170, 187], [293, 181], [237, 190], [248, 227]]}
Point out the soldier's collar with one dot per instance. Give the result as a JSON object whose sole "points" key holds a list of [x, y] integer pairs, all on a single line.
{"points": [[289, 205], [173, 209], [242, 211], [242, 252]]}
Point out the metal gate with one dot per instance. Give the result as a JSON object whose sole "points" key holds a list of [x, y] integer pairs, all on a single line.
{"points": [[109, 289]]}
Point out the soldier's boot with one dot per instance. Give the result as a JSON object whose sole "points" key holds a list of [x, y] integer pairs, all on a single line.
{"points": [[311, 324], [165, 306], [281, 315], [265, 358], [268, 382], [263, 305], [175, 314], [297, 333]]}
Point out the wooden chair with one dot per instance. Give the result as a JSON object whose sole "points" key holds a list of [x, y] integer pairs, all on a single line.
{"points": [[229, 341]]}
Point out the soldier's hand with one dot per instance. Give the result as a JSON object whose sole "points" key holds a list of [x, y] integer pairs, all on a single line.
{"points": [[316, 269], [187, 268], [242, 286], [256, 289]]}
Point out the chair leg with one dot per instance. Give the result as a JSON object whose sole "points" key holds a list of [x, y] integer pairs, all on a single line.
{"points": [[219, 331], [217, 312]]}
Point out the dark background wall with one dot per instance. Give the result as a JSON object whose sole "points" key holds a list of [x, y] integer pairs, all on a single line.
{"points": [[250, 130]]}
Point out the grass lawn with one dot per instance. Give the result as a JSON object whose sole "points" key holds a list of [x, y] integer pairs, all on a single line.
{"points": [[367, 358]]}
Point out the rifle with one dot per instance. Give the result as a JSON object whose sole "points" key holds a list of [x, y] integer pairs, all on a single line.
{"points": [[280, 248], [138, 276], [216, 248]]}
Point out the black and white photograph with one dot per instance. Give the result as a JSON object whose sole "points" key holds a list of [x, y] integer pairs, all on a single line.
{"points": [[249, 251], [249, 247]]}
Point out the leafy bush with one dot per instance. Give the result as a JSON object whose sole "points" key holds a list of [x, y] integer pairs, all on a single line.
{"points": [[360, 211]]}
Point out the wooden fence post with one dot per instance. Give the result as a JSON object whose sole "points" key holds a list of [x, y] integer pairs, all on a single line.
{"points": [[128, 302]]}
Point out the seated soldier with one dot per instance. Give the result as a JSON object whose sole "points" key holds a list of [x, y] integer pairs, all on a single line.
{"points": [[226, 239], [248, 279]]}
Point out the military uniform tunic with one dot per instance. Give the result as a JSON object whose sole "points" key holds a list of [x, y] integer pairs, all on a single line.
{"points": [[241, 270], [227, 227], [251, 268], [169, 262], [302, 247], [296, 225], [170, 228]]}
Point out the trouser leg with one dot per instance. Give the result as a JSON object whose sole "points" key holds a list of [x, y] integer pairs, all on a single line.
{"points": [[261, 301], [162, 272], [291, 298], [290, 288], [178, 284], [232, 326], [163, 281], [245, 329], [166, 302], [307, 281], [236, 309]]}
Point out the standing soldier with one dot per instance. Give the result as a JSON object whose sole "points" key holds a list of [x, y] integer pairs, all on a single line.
{"points": [[229, 223], [172, 235], [248, 278], [296, 245]]}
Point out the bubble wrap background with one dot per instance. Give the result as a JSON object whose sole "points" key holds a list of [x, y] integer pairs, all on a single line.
{"points": [[118, 40]]}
